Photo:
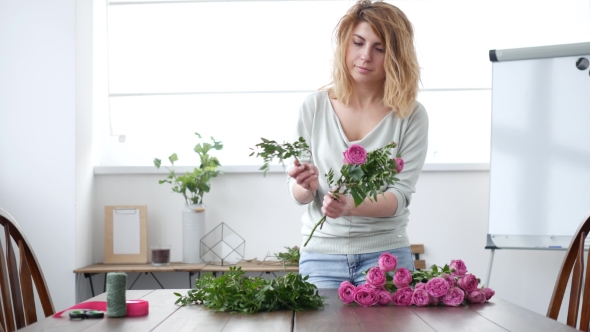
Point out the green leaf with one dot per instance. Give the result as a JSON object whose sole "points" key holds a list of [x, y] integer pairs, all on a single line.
{"points": [[199, 148], [173, 158], [358, 199], [205, 148], [206, 187], [157, 162]]}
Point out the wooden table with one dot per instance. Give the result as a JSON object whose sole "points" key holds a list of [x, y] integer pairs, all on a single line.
{"points": [[497, 315]]}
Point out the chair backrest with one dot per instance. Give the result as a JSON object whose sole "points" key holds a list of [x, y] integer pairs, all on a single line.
{"points": [[574, 259], [17, 277], [417, 249]]}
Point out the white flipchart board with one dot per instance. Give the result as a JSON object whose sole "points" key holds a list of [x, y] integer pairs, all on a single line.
{"points": [[540, 146]]}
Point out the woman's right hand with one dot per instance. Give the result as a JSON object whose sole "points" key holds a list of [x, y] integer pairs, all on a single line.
{"points": [[306, 175]]}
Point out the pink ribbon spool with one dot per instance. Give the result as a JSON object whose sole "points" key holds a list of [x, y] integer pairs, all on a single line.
{"points": [[135, 308]]}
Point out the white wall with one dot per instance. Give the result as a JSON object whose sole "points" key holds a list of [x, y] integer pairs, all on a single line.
{"points": [[84, 133], [37, 132], [252, 205], [449, 216]]}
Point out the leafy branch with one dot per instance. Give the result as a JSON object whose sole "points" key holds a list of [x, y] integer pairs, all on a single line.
{"points": [[235, 292], [270, 150]]}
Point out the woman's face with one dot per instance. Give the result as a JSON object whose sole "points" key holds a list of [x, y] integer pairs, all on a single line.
{"points": [[365, 55]]}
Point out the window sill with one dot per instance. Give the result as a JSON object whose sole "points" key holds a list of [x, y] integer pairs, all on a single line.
{"points": [[136, 170]]}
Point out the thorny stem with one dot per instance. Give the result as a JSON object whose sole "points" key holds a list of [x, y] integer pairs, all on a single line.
{"points": [[313, 230], [323, 219]]}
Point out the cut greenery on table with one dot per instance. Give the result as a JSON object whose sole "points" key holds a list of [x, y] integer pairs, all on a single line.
{"points": [[235, 292], [362, 174], [194, 185], [290, 257]]}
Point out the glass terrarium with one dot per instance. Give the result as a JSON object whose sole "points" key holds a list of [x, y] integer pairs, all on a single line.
{"points": [[222, 246]]}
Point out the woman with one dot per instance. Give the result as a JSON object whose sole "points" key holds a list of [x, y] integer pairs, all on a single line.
{"points": [[371, 102]]}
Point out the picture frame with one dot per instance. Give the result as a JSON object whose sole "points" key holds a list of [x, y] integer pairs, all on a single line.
{"points": [[125, 234]]}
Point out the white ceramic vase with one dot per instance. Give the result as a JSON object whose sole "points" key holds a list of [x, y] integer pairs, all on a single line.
{"points": [[193, 230]]}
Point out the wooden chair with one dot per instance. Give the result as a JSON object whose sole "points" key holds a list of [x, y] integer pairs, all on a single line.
{"points": [[18, 300], [574, 258], [417, 249]]}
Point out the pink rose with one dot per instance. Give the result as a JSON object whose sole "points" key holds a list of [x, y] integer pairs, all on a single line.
{"points": [[399, 162], [387, 262], [402, 277], [468, 283], [376, 277], [420, 297], [366, 296], [385, 297], [450, 279], [488, 292], [355, 154], [454, 297], [437, 286], [477, 296], [346, 292], [403, 296], [459, 266], [420, 285]]}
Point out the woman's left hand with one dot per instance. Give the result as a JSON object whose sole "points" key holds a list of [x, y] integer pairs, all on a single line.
{"points": [[337, 208]]}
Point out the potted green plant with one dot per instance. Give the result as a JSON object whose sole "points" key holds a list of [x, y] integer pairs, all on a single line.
{"points": [[193, 185]]}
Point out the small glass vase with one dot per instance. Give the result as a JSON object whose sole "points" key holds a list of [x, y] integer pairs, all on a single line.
{"points": [[193, 229], [160, 255]]}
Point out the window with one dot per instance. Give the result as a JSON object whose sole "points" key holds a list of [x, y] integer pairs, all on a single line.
{"points": [[239, 70]]}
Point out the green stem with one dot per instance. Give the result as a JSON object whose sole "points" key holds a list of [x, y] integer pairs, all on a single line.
{"points": [[313, 230], [176, 181]]}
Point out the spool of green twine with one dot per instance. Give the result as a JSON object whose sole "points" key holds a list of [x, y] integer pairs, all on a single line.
{"points": [[116, 286]]}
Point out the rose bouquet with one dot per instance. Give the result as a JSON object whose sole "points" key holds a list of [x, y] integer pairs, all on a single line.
{"points": [[362, 174], [450, 285]]}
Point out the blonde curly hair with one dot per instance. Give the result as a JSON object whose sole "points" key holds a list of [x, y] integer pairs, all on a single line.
{"points": [[402, 73]]}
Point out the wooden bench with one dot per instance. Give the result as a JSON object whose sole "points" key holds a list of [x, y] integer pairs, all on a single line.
{"points": [[247, 266]]}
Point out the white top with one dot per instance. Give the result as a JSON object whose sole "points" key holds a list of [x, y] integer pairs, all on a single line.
{"points": [[319, 125]]}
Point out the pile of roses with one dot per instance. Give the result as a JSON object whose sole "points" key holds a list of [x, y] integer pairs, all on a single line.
{"points": [[450, 285]]}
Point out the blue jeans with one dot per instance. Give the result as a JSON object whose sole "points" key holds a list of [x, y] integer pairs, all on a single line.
{"points": [[330, 270]]}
